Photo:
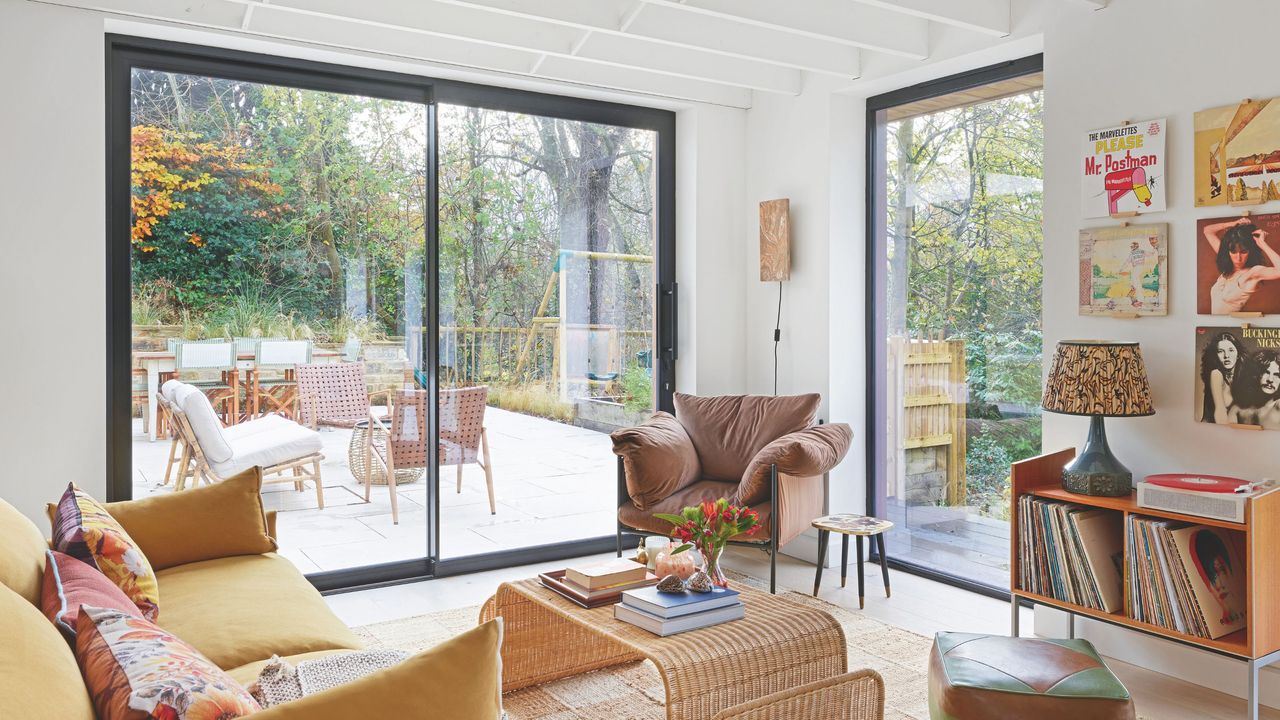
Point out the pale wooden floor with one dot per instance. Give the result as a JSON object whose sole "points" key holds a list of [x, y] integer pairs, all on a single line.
{"points": [[918, 605]]}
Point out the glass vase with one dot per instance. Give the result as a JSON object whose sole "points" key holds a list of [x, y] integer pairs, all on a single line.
{"points": [[711, 564]]}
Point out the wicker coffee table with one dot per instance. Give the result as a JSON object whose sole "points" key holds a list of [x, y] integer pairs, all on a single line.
{"points": [[779, 646]]}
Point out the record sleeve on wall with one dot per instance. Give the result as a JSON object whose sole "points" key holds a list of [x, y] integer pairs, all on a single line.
{"points": [[1238, 376], [1124, 270], [1238, 264], [1237, 153], [1124, 169]]}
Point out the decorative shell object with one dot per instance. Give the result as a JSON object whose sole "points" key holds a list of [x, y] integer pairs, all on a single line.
{"points": [[699, 582], [671, 584], [642, 555]]}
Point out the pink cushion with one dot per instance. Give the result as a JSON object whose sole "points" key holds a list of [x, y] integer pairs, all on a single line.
{"points": [[70, 583]]}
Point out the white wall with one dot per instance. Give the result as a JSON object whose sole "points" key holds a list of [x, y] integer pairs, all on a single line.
{"points": [[1136, 60], [53, 280], [52, 190]]}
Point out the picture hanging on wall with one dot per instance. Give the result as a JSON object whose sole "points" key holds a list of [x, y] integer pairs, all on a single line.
{"points": [[1237, 153], [1238, 376], [1124, 169], [1124, 270], [1238, 265]]}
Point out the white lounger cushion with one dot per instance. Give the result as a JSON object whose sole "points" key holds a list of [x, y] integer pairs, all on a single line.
{"points": [[272, 446], [257, 425], [204, 423]]}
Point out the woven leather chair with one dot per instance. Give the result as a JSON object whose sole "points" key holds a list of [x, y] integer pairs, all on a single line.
{"points": [[462, 437], [763, 452], [334, 394]]}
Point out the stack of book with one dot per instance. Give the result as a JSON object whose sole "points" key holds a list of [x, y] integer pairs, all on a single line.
{"points": [[601, 583], [1189, 578], [670, 613], [1072, 553]]}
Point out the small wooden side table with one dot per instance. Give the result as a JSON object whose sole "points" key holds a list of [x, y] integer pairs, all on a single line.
{"points": [[859, 526]]}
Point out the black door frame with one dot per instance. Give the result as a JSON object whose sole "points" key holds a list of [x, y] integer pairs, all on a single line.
{"points": [[124, 52], [876, 259]]}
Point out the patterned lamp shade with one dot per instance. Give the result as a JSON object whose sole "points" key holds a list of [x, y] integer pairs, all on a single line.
{"points": [[1097, 377]]}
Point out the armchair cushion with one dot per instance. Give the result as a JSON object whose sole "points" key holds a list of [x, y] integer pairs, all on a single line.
{"points": [[727, 431], [812, 451], [658, 459], [459, 679], [279, 443], [207, 522]]}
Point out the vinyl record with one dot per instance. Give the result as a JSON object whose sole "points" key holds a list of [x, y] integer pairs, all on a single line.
{"points": [[1200, 483]]}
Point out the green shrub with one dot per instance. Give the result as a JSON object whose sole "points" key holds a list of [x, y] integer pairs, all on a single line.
{"points": [[637, 386]]}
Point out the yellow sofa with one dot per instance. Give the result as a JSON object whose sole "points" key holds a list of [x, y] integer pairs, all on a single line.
{"points": [[236, 608]]}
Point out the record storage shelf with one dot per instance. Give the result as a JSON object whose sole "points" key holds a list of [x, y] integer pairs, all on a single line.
{"points": [[1042, 476]]}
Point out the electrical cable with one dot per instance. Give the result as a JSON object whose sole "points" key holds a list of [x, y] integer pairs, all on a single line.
{"points": [[777, 336]]}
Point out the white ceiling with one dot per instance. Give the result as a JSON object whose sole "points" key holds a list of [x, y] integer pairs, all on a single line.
{"points": [[717, 51]]}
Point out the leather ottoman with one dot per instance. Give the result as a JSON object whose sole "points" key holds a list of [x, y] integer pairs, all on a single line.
{"points": [[990, 677]]}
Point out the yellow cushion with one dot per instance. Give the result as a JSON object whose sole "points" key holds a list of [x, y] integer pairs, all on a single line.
{"points": [[246, 675], [22, 548], [203, 523], [237, 610], [39, 678], [459, 679]]}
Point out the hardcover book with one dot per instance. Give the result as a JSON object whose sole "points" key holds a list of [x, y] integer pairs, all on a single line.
{"points": [[672, 605]]}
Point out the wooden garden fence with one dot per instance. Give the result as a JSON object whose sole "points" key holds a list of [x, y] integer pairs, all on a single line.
{"points": [[926, 419]]}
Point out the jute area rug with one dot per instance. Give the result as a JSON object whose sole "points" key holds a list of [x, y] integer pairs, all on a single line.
{"points": [[634, 691]]}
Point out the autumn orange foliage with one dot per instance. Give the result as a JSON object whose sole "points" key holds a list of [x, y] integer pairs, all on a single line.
{"points": [[166, 163]]}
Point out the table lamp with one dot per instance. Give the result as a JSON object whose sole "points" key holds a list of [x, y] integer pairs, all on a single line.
{"points": [[1100, 379]]}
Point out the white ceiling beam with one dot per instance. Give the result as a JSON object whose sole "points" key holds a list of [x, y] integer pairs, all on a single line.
{"points": [[839, 21], [462, 22], [332, 31], [622, 51], [271, 22], [632, 80], [440, 20], [990, 17], [674, 25], [208, 13]]}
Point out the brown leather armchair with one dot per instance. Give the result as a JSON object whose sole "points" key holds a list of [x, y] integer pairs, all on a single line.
{"points": [[760, 451]]}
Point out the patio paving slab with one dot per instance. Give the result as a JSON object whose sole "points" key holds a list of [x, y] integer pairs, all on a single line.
{"points": [[552, 483]]}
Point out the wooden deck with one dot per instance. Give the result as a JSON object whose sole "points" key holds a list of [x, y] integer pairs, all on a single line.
{"points": [[952, 540]]}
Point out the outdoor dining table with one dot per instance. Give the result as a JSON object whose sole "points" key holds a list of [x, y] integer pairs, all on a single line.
{"points": [[161, 361]]}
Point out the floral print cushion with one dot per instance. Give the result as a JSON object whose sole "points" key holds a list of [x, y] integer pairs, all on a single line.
{"points": [[83, 529], [136, 671]]}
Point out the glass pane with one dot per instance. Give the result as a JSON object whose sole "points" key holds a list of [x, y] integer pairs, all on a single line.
{"points": [[963, 199], [547, 297], [285, 226]]}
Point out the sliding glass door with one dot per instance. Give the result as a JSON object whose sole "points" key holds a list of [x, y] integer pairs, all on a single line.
{"points": [[955, 341], [548, 298], [444, 308]]}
